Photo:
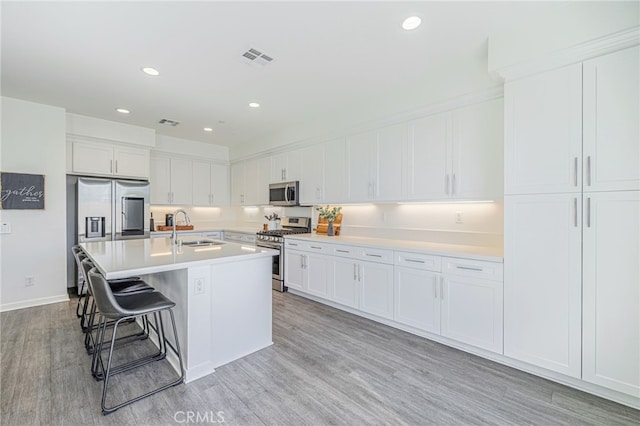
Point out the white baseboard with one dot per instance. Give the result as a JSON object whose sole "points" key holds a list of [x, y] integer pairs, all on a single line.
{"points": [[33, 302]]}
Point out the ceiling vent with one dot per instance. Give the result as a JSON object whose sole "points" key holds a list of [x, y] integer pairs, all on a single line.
{"points": [[256, 57], [168, 122]]}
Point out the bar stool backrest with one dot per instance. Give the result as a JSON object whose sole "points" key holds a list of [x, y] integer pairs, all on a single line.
{"points": [[85, 266], [106, 301]]}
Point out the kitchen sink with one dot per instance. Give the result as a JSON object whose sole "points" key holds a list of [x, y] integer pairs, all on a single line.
{"points": [[202, 243]]}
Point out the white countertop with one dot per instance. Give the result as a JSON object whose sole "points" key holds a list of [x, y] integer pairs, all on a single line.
{"points": [[240, 229], [491, 254], [124, 258]]}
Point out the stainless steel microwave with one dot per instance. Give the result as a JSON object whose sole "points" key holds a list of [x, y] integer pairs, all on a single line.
{"points": [[284, 194]]}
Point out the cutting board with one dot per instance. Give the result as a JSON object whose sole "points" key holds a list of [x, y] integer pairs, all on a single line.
{"points": [[178, 228], [323, 225]]}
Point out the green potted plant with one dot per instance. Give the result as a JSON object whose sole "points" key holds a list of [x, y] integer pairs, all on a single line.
{"points": [[330, 214]]}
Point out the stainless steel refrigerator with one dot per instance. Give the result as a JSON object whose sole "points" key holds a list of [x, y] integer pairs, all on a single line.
{"points": [[104, 210]]}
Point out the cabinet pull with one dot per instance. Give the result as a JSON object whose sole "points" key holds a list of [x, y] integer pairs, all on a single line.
{"points": [[435, 288], [575, 212], [343, 251], [469, 268], [110, 166], [453, 184], [293, 244], [441, 288], [414, 260], [316, 247], [116, 166], [589, 212], [588, 170], [446, 184], [355, 273], [372, 255], [575, 171]]}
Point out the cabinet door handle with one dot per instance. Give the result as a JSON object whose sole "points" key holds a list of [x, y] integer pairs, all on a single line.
{"points": [[441, 288], [316, 247], [342, 251], [355, 273], [453, 184], [575, 212], [575, 171], [116, 166], [414, 260], [110, 166], [372, 255], [293, 244], [469, 268], [435, 288], [446, 184], [588, 170], [589, 212]]}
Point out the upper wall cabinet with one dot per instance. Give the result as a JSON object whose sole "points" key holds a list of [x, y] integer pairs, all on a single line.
{"points": [[323, 173], [312, 175], [210, 184], [375, 164], [457, 154], [611, 121], [543, 126], [249, 185], [171, 181], [105, 159], [285, 167]]}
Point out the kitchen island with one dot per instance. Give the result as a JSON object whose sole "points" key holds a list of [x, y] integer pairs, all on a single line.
{"points": [[222, 293]]}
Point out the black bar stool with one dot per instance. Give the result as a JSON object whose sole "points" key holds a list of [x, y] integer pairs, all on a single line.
{"points": [[120, 309], [121, 287]]}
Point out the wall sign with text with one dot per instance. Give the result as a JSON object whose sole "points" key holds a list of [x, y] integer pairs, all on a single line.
{"points": [[21, 191]]}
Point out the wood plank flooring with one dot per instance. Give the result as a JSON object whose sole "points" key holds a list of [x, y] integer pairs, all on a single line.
{"points": [[326, 367]]}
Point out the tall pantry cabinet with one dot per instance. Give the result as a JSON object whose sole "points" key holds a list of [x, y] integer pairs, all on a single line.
{"points": [[572, 214]]}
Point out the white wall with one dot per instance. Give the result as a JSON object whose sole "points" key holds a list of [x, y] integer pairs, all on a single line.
{"points": [[446, 82], [33, 141], [193, 148]]}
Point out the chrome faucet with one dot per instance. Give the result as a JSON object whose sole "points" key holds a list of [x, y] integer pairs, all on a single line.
{"points": [[174, 234]]}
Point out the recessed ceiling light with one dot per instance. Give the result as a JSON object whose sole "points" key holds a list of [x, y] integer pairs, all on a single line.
{"points": [[208, 129], [123, 110], [150, 71], [254, 105], [411, 23]]}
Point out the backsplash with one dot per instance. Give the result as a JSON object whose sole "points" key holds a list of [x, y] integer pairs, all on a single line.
{"points": [[482, 223]]}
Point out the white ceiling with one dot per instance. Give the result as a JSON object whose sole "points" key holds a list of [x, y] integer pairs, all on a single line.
{"points": [[87, 56]]}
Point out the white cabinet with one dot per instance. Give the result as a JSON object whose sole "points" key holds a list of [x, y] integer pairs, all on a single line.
{"points": [[344, 282], [375, 162], [285, 167], [312, 175], [478, 146], [215, 235], [171, 181], [463, 303], [456, 154], [249, 185], [575, 128], [611, 290], [335, 171], [542, 283], [97, 158], [306, 271], [543, 132], [611, 121], [416, 298], [472, 303], [376, 281], [210, 184]]}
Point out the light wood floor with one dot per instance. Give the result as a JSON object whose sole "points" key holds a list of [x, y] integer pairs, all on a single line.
{"points": [[326, 367]]}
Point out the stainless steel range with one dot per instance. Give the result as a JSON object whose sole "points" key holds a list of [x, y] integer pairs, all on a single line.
{"points": [[274, 240]]}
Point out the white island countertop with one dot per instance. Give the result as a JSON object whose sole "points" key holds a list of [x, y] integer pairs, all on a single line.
{"points": [[125, 258], [491, 254]]}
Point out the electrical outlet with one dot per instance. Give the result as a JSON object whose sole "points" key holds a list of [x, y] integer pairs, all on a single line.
{"points": [[458, 217], [29, 281], [199, 286]]}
